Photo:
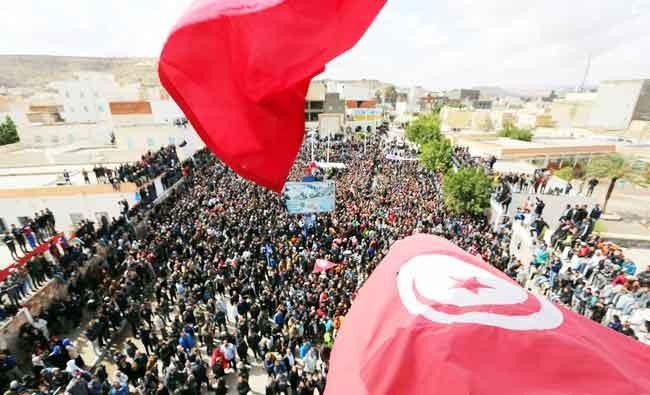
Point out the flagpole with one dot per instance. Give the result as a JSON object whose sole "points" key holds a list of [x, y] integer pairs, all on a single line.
{"points": [[329, 138]]}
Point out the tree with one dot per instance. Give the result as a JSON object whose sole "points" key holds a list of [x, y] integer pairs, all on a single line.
{"points": [[436, 155], [512, 132], [8, 132], [615, 167], [570, 173], [390, 94], [467, 191], [424, 129], [379, 97]]}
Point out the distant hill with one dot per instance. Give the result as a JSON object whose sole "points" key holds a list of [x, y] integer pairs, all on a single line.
{"points": [[38, 70]]}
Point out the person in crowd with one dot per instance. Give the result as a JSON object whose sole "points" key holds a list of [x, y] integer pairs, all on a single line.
{"points": [[10, 242]]}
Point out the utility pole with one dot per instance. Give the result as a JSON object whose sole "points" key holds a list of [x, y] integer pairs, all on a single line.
{"points": [[584, 78]]}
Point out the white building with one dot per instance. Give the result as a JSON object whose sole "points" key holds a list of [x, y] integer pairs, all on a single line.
{"points": [[87, 97], [165, 111], [616, 104]]}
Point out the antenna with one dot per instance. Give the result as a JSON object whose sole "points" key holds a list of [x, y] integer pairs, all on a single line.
{"points": [[584, 78]]}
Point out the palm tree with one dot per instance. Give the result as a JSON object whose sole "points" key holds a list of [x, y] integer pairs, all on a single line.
{"points": [[615, 167]]}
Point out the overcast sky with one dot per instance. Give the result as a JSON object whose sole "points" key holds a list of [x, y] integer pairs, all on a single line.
{"points": [[510, 43]]}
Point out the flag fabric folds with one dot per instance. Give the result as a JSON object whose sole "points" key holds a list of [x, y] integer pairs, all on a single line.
{"points": [[323, 265], [240, 70], [433, 319]]}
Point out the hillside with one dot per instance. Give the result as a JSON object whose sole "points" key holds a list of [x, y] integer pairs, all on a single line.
{"points": [[38, 70]]}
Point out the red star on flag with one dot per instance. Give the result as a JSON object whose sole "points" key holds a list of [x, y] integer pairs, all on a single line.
{"points": [[471, 284]]}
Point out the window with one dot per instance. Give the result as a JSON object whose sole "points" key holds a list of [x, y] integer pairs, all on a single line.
{"points": [[96, 94], [172, 140], [86, 108], [38, 139], [71, 109], [54, 139], [151, 142], [100, 108], [130, 143], [70, 138], [81, 94], [76, 218], [3, 226], [67, 94]]}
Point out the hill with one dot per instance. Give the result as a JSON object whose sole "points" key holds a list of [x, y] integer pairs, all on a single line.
{"points": [[38, 70]]}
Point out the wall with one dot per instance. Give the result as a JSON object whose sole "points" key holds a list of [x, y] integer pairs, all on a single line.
{"points": [[481, 120], [165, 111], [566, 113], [615, 104], [642, 110], [86, 200], [42, 136], [329, 124], [453, 118], [316, 91]]}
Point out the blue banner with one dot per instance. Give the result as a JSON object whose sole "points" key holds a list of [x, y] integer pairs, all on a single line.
{"points": [[310, 197]]}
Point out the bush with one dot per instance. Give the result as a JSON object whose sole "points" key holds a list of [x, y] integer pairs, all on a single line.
{"points": [[467, 191], [512, 132], [565, 173], [8, 132]]}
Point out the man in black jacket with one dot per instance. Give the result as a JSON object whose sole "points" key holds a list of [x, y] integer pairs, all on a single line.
{"points": [[20, 239], [9, 240]]}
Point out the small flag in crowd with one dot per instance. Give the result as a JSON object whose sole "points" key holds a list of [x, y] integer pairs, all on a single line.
{"points": [[240, 70], [433, 319], [323, 265]]}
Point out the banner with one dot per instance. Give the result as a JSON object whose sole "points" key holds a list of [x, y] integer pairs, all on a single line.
{"points": [[399, 158], [310, 197], [365, 114], [159, 186]]}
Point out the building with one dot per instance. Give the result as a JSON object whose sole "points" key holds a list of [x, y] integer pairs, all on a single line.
{"points": [[334, 104], [84, 99], [481, 120], [573, 111], [540, 152], [618, 103], [482, 104], [533, 120], [455, 119], [502, 119], [468, 95], [315, 101]]}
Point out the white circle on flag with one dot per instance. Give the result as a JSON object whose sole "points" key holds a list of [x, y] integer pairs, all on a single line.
{"points": [[447, 280]]}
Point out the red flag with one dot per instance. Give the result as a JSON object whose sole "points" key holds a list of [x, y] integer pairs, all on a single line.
{"points": [[432, 319], [240, 69], [323, 265]]}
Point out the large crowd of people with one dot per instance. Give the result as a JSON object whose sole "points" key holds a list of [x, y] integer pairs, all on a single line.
{"points": [[573, 265], [217, 282], [151, 165]]}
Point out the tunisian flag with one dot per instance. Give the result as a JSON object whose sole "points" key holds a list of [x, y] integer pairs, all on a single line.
{"points": [[323, 265], [433, 319], [240, 69]]}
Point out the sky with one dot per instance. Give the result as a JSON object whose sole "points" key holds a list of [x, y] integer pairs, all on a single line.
{"points": [[435, 44]]}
